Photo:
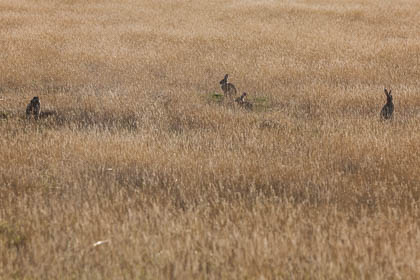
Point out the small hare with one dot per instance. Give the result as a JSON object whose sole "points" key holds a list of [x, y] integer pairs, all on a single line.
{"points": [[388, 109], [33, 108], [228, 88], [243, 103]]}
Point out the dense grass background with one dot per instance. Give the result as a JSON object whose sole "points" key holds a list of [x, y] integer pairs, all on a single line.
{"points": [[180, 184]]}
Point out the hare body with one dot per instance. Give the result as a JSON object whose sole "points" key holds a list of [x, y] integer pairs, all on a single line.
{"points": [[388, 109], [228, 88], [33, 108], [243, 102]]}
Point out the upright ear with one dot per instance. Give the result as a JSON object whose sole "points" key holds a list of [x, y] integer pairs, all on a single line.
{"points": [[386, 92], [390, 92], [226, 76]]}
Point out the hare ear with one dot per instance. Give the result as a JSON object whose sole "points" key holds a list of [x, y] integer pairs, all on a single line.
{"points": [[390, 92], [386, 92], [226, 76]]}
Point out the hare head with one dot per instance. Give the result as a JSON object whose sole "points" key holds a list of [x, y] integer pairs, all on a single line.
{"points": [[224, 81]]}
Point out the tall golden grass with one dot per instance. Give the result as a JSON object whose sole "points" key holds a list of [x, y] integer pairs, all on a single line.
{"points": [[143, 155]]}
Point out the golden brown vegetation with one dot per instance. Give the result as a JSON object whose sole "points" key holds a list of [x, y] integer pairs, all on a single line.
{"points": [[142, 154]]}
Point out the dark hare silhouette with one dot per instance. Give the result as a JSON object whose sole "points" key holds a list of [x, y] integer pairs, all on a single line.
{"points": [[33, 108], [228, 88], [388, 109]]}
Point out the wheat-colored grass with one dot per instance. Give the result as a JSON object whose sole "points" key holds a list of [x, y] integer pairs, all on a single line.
{"points": [[143, 154]]}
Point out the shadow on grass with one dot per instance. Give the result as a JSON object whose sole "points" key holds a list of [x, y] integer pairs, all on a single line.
{"points": [[85, 119]]}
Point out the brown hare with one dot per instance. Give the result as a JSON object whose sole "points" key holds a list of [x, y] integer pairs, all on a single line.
{"points": [[388, 109], [33, 108], [243, 103], [228, 88]]}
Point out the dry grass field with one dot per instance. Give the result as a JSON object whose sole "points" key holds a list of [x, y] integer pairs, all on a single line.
{"points": [[144, 153]]}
